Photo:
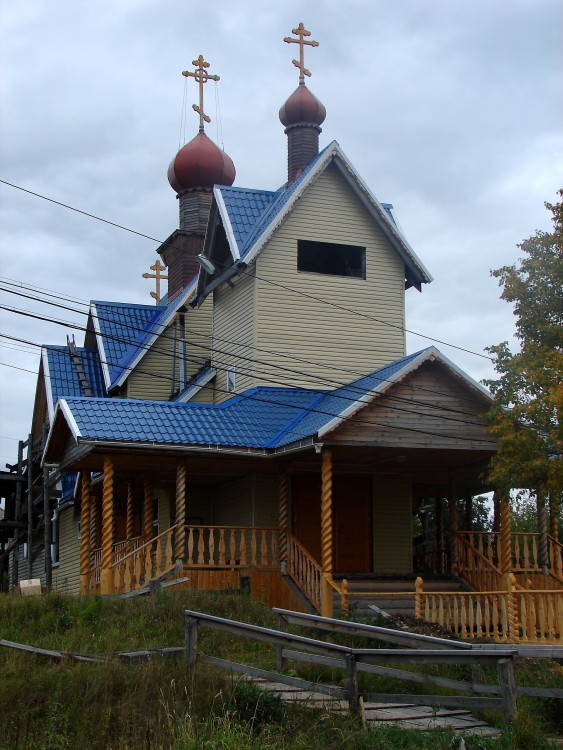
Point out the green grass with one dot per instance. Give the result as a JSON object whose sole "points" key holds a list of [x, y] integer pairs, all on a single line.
{"points": [[163, 704]]}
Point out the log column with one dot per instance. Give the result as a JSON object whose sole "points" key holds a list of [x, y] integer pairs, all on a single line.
{"points": [[284, 516], [148, 511], [326, 533], [85, 515], [505, 552], [554, 511], [108, 511], [180, 537]]}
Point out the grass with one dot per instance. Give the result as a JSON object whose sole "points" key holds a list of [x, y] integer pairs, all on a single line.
{"points": [[163, 705]]}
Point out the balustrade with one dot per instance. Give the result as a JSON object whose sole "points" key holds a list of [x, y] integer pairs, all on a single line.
{"points": [[231, 547], [304, 571]]}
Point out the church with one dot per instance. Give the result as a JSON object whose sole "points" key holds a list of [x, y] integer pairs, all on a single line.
{"points": [[262, 424]]}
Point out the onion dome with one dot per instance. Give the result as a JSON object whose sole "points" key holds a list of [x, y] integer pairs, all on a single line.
{"points": [[302, 107], [200, 164]]}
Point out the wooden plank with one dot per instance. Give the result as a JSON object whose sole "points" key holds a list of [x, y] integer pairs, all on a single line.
{"points": [[470, 701], [232, 666], [370, 631], [400, 656]]}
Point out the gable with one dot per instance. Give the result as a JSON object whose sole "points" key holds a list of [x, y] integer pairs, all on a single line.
{"points": [[429, 408]]}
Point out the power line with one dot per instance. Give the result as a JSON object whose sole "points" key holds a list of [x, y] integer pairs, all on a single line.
{"points": [[325, 381], [268, 281], [349, 399]]}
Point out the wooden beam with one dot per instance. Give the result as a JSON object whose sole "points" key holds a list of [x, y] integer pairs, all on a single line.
{"points": [[326, 533]]}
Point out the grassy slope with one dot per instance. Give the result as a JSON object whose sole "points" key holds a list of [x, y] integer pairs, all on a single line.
{"points": [[161, 704]]}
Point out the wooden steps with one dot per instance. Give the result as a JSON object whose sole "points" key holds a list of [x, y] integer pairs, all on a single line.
{"points": [[408, 716]]}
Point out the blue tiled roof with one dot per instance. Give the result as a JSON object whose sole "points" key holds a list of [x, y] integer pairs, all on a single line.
{"points": [[251, 211], [63, 376], [122, 327], [260, 418]]}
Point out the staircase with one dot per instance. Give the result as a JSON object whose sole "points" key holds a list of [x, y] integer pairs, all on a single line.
{"points": [[394, 597]]}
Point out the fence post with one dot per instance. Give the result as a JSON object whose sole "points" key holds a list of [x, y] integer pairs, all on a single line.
{"points": [[352, 683], [418, 606], [190, 640], [507, 688], [281, 661]]}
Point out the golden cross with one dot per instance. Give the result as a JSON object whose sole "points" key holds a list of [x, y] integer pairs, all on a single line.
{"points": [[158, 268], [301, 32], [201, 76]]}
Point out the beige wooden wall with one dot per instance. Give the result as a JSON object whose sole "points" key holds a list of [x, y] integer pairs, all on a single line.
{"points": [[340, 344], [392, 526], [66, 575]]}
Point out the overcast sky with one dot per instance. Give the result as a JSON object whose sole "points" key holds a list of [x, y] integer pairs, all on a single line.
{"points": [[449, 110]]}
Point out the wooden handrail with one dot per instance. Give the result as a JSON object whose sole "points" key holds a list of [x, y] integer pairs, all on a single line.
{"points": [[142, 547], [304, 570], [209, 546]]}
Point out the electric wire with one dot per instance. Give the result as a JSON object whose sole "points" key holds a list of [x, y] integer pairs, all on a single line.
{"points": [[268, 281], [254, 370], [332, 382]]}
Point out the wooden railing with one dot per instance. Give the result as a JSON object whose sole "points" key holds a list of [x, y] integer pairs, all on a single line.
{"points": [[515, 615], [304, 570], [145, 563], [476, 560], [231, 547]]}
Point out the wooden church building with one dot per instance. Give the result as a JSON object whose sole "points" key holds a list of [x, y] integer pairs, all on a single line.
{"points": [[263, 421]]}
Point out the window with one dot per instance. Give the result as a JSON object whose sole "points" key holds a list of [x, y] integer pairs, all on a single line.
{"points": [[331, 258], [231, 380]]}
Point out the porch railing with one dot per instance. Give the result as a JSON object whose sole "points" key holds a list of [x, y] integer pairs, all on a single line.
{"points": [[479, 551], [304, 570], [145, 563], [477, 560], [231, 547], [515, 615]]}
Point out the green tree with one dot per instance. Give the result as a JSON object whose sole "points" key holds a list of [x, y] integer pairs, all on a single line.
{"points": [[526, 416]]}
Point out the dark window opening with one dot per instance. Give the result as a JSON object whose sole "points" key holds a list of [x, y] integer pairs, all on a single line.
{"points": [[331, 258]]}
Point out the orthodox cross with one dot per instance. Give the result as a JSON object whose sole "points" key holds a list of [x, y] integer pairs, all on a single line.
{"points": [[202, 76], [301, 32], [158, 268]]}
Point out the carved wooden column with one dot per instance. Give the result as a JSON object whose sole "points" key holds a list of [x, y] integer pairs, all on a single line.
{"points": [[326, 533], [452, 504], [93, 527], [106, 579], [284, 515], [85, 516], [130, 517], [554, 511], [148, 511], [180, 536], [505, 551]]}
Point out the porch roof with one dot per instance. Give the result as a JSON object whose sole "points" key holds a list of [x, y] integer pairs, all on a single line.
{"points": [[261, 418]]}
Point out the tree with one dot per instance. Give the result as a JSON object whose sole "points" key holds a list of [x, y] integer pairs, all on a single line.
{"points": [[526, 416]]}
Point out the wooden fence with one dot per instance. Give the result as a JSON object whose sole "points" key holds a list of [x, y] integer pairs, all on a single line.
{"points": [[231, 547], [353, 660], [304, 570], [510, 615]]}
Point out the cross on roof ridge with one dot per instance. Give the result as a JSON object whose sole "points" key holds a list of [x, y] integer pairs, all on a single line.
{"points": [[201, 76], [301, 32]]}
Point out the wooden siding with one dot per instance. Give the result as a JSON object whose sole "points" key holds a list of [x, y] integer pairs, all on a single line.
{"points": [[166, 501], [199, 506], [340, 344], [266, 500], [66, 575], [429, 409], [233, 335], [392, 528], [233, 505], [152, 378]]}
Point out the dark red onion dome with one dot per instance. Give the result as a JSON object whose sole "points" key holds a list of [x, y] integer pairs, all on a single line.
{"points": [[302, 107], [200, 164]]}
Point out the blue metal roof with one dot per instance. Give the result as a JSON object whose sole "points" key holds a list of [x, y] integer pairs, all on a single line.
{"points": [[63, 376], [260, 418], [123, 327]]}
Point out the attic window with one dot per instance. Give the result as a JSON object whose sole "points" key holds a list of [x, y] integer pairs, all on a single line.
{"points": [[331, 258]]}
